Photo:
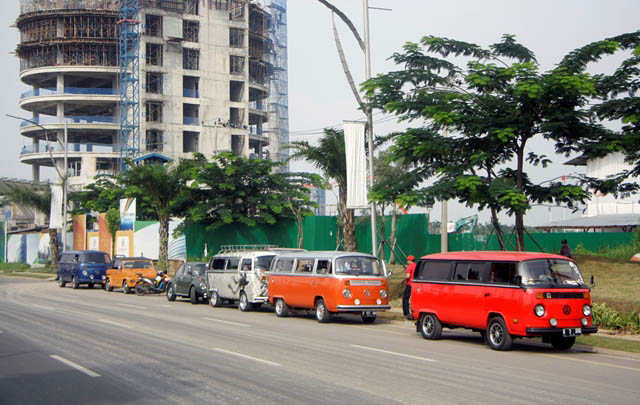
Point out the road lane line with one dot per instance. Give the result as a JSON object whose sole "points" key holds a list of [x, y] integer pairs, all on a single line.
{"points": [[394, 353], [597, 363], [69, 296], [165, 305], [41, 307], [230, 323], [115, 323], [75, 365], [244, 356], [130, 306]]}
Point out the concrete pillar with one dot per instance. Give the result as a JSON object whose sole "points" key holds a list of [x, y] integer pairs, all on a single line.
{"points": [[35, 173]]}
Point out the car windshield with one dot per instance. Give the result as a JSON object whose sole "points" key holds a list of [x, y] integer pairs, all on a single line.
{"points": [[200, 269], [95, 258], [263, 262], [358, 266], [555, 272], [138, 265]]}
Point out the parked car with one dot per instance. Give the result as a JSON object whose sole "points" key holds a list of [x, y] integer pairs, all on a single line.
{"points": [[127, 276], [502, 295], [116, 263], [239, 274], [190, 281], [329, 283], [82, 267]]}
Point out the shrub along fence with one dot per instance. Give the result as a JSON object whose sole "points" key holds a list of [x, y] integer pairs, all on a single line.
{"points": [[412, 236]]}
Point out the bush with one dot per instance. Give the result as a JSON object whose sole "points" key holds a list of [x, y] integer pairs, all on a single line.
{"points": [[608, 318], [624, 252], [14, 266]]}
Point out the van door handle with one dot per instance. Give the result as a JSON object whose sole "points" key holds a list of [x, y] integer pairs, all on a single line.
{"points": [[487, 294]]}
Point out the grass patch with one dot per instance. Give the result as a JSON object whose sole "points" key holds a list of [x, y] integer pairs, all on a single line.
{"points": [[40, 276], [610, 343], [14, 266], [617, 282], [620, 252]]}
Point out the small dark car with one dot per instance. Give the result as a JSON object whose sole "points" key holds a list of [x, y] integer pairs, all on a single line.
{"points": [[190, 281], [83, 267]]}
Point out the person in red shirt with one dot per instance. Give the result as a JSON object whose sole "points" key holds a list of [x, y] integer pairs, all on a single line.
{"points": [[411, 267]]}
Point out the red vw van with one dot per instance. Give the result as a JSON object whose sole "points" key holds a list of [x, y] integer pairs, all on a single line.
{"points": [[328, 282], [502, 295]]}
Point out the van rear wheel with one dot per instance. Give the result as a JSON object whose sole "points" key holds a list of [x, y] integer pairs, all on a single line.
{"points": [[282, 309], [563, 343], [125, 287], [243, 304], [322, 313], [193, 296], [215, 300], [498, 337], [171, 293], [74, 283], [61, 283], [430, 327], [108, 286]]}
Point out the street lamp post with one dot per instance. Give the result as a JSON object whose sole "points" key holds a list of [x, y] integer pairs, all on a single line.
{"points": [[63, 177]]}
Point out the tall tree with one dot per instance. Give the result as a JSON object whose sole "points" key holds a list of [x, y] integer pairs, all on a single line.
{"points": [[39, 201], [498, 102], [329, 157], [162, 184], [112, 218]]}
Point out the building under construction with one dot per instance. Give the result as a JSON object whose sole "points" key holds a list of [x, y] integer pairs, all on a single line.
{"points": [[206, 76]]}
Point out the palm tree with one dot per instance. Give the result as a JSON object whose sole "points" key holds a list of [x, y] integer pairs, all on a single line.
{"points": [[162, 183], [40, 201], [329, 156]]}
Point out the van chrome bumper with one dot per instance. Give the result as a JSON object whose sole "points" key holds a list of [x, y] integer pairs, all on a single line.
{"points": [[358, 308], [558, 331]]}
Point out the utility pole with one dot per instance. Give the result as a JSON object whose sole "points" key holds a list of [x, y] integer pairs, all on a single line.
{"points": [[444, 234], [367, 58], [64, 190]]}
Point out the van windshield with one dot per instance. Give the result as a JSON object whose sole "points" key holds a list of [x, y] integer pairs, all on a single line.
{"points": [[95, 258], [138, 265], [554, 272], [358, 266]]}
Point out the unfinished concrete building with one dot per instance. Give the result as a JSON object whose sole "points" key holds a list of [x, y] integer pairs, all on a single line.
{"points": [[205, 73]]}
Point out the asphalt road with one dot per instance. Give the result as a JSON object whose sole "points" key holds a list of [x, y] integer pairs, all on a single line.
{"points": [[65, 346]]}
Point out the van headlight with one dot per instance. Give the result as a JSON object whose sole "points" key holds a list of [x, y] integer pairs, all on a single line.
{"points": [[346, 293], [383, 293], [539, 310], [586, 310], [84, 272]]}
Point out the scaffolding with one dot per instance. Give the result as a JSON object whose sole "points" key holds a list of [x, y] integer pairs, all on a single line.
{"points": [[32, 6], [129, 47], [278, 100]]}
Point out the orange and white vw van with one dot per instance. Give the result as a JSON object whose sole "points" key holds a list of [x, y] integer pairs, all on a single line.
{"points": [[502, 295], [328, 282]]}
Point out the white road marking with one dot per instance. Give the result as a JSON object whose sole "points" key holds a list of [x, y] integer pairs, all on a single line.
{"points": [[115, 323], [75, 365], [244, 356], [597, 363], [165, 305], [230, 323], [69, 296], [393, 353], [41, 307], [130, 306]]}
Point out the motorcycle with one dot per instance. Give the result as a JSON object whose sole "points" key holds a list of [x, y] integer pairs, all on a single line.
{"points": [[156, 286]]}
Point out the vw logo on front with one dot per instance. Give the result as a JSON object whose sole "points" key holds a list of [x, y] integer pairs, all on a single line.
{"points": [[566, 309], [367, 292]]}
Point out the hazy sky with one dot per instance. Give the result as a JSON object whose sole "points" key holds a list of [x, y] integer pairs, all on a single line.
{"points": [[318, 93]]}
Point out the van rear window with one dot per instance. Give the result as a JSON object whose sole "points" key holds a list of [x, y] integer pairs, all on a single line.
{"points": [[433, 271]]}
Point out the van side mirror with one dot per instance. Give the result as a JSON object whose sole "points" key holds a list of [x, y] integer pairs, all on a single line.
{"points": [[389, 272], [518, 280]]}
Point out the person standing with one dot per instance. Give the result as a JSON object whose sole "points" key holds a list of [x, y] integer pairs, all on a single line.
{"points": [[565, 250], [411, 267]]}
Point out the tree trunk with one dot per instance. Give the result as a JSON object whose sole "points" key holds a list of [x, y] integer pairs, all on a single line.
{"points": [[383, 232], [520, 185], [348, 223], [163, 256], [300, 223], [392, 237], [496, 227], [520, 230], [53, 247]]}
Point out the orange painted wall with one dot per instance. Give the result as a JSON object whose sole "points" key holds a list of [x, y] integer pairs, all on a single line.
{"points": [[79, 232]]}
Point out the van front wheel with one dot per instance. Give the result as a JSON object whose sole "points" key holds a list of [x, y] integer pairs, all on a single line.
{"points": [[61, 283], [243, 304], [430, 327], [498, 337], [322, 313], [282, 309], [74, 283]]}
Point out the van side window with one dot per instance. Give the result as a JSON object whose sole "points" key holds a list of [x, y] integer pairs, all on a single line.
{"points": [[283, 265], [304, 266], [474, 271], [502, 273], [433, 271], [218, 263], [323, 267], [232, 264], [246, 264]]}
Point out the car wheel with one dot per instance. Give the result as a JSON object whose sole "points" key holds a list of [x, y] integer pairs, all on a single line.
{"points": [[171, 293], [193, 296], [430, 327], [282, 309], [215, 300], [140, 290], [322, 313], [61, 283], [125, 287], [368, 317], [108, 286], [90, 285], [498, 337], [563, 343], [74, 283], [243, 304]]}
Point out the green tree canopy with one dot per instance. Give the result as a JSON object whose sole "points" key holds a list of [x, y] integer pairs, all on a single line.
{"points": [[493, 106]]}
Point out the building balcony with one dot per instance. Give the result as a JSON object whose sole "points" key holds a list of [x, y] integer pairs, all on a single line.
{"points": [[89, 100], [71, 148], [69, 90]]}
